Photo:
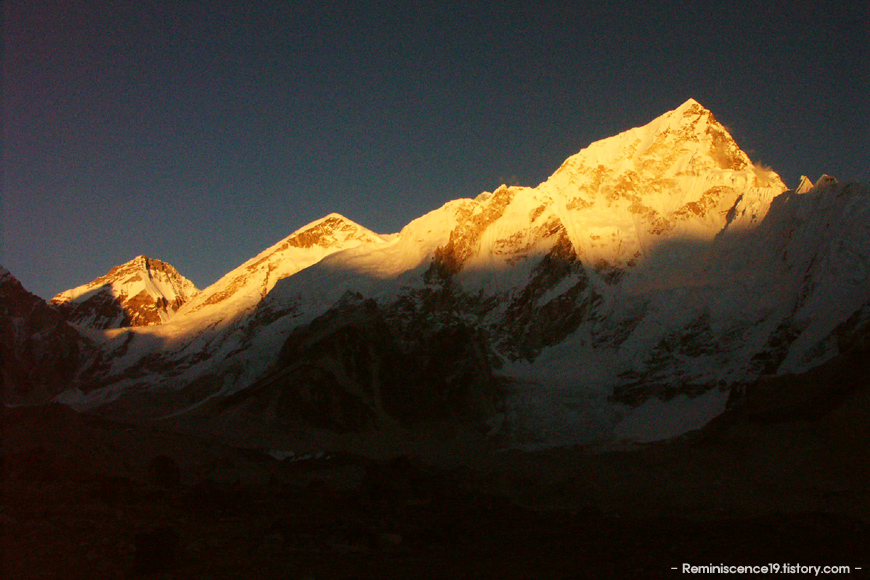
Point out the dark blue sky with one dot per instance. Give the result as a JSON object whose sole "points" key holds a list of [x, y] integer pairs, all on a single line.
{"points": [[202, 132]]}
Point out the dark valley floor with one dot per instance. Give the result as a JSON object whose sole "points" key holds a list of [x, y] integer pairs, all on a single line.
{"points": [[779, 479]]}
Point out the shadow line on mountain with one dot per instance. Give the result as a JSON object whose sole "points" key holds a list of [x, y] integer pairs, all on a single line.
{"points": [[338, 350], [675, 265]]}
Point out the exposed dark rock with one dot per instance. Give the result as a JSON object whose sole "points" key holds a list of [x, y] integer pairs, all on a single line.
{"points": [[40, 353], [799, 397], [349, 370], [767, 360], [659, 377], [465, 238], [528, 326]]}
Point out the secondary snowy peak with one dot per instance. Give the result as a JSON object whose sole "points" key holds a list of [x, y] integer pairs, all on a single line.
{"points": [[244, 286], [141, 292], [331, 231], [805, 185]]}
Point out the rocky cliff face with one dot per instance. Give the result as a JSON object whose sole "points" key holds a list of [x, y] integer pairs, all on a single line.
{"points": [[40, 353], [360, 366], [142, 292]]}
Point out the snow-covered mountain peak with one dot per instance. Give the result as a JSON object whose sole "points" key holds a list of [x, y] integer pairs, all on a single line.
{"points": [[246, 285], [805, 185], [141, 292], [681, 176], [826, 181], [689, 104], [685, 141], [333, 230]]}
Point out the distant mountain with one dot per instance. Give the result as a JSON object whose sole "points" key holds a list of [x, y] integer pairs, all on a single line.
{"points": [[141, 292], [623, 298]]}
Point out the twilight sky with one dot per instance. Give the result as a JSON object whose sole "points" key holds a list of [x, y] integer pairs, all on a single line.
{"points": [[202, 132]]}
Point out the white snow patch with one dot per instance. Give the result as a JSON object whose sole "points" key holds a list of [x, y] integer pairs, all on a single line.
{"points": [[291, 456], [656, 419]]}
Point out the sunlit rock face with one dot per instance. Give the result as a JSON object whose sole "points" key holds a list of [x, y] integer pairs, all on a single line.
{"points": [[142, 292], [651, 272]]}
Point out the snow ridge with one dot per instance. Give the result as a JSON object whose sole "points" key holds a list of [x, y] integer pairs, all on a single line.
{"points": [[244, 287]]}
